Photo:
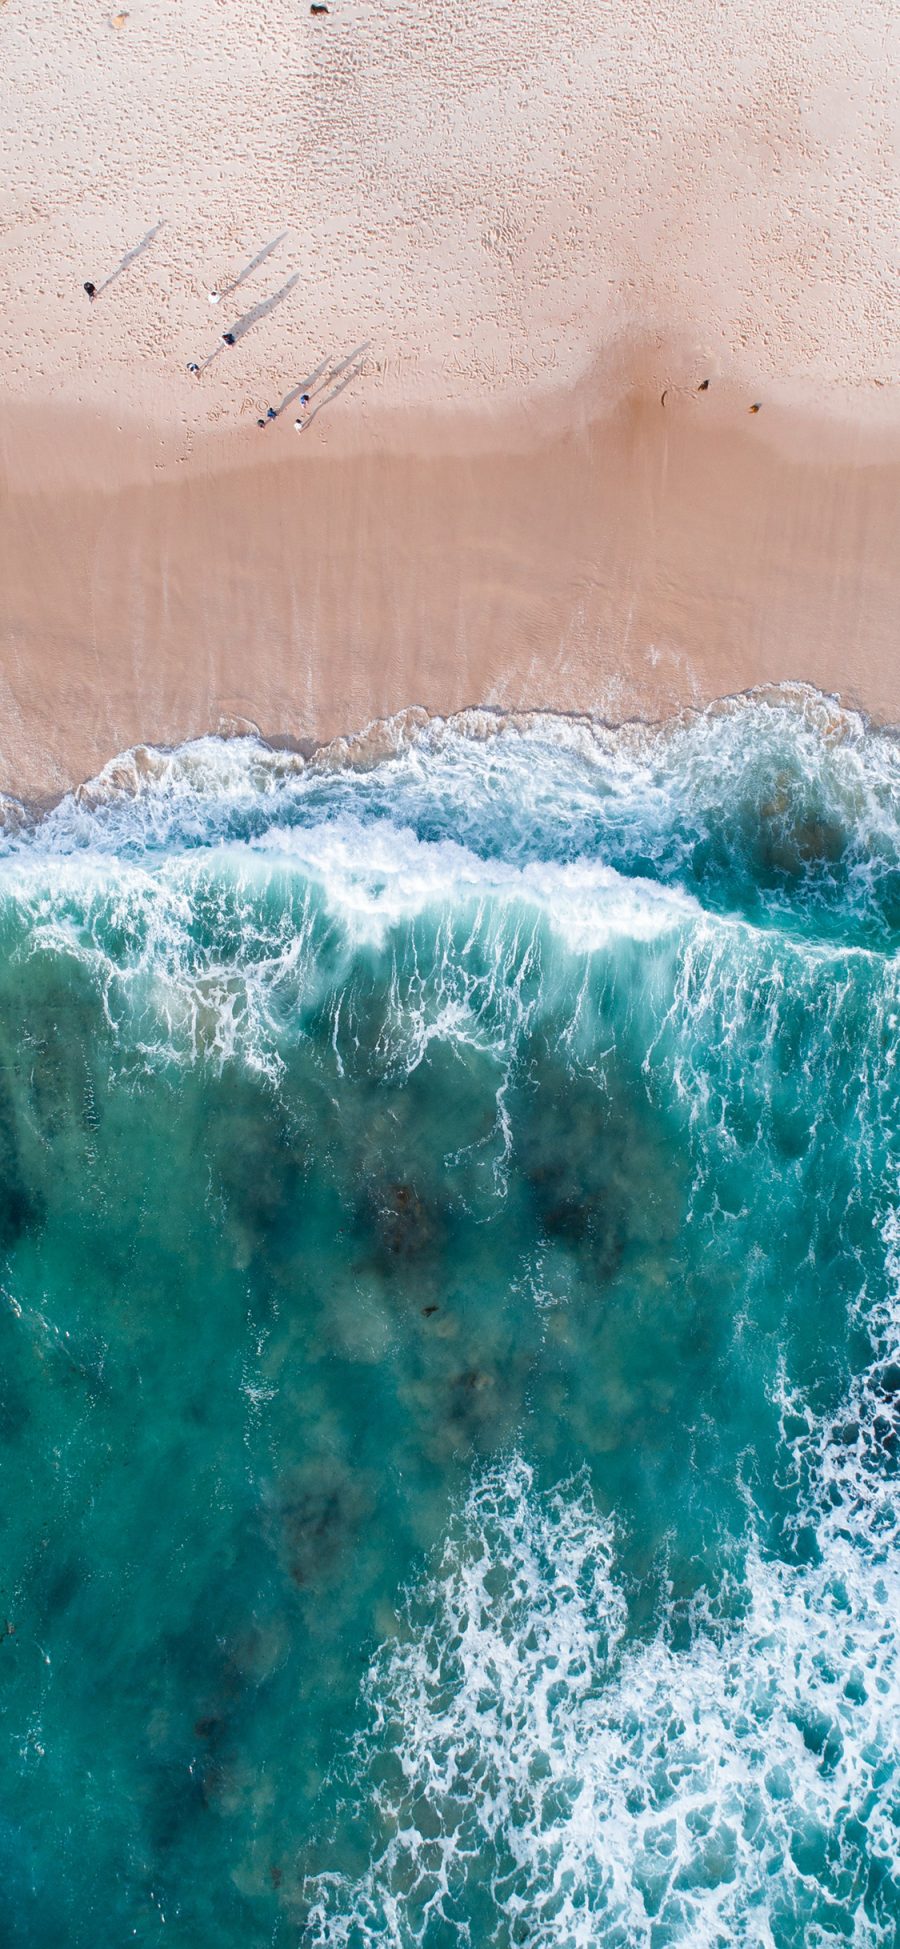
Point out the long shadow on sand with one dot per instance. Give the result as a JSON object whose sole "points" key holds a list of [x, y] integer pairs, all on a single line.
{"points": [[131, 256], [228, 290]]}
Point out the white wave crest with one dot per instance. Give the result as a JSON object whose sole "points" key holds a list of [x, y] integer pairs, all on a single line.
{"points": [[374, 876], [220, 953], [596, 1791]]}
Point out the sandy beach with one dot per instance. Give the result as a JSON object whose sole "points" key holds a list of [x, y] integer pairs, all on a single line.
{"points": [[534, 271]]}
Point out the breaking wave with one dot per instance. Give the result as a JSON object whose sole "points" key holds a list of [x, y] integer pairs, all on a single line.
{"points": [[777, 806]]}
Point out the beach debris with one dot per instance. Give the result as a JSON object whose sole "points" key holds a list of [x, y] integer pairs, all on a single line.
{"points": [[755, 407], [663, 396], [318, 8], [118, 20], [703, 386], [91, 290]]}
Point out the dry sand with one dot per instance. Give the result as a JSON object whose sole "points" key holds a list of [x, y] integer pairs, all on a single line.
{"points": [[500, 235]]}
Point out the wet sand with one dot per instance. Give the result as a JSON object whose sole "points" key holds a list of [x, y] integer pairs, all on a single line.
{"points": [[625, 565]]}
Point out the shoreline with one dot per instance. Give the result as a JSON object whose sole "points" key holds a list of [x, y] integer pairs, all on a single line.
{"points": [[595, 553], [127, 772]]}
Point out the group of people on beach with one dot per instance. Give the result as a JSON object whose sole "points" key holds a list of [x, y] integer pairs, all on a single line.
{"points": [[272, 413], [229, 338]]}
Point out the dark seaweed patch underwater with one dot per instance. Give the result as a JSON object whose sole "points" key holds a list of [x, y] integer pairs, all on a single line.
{"points": [[449, 1352]]}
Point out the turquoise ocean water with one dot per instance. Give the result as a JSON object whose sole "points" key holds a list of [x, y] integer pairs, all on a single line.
{"points": [[450, 1342]]}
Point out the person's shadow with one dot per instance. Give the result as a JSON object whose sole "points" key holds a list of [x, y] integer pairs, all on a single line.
{"points": [[251, 318], [306, 385], [130, 257], [262, 310], [328, 397], [227, 290], [344, 372]]}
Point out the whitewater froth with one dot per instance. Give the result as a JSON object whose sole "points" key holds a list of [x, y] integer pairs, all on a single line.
{"points": [[740, 1788]]}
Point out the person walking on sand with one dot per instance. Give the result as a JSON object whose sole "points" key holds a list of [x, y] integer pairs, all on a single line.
{"points": [[215, 297], [228, 338], [91, 290]]}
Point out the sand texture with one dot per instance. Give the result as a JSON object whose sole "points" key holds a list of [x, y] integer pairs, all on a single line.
{"points": [[503, 248]]}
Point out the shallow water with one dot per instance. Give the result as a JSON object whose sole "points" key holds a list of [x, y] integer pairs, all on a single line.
{"points": [[450, 1358]]}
